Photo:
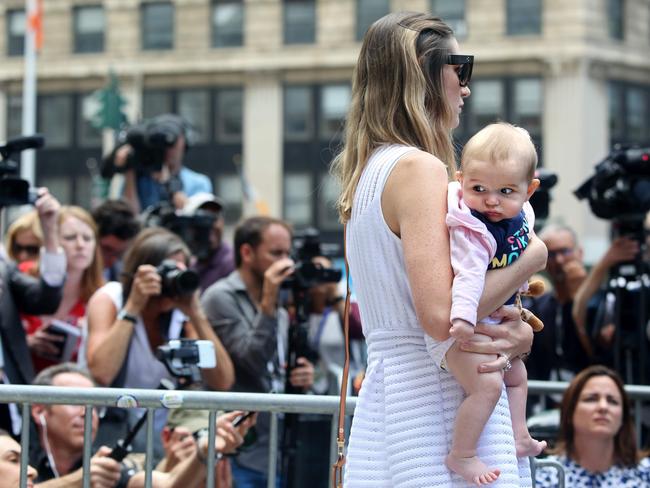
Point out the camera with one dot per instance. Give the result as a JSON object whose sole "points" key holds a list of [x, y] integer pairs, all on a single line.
{"points": [[307, 274], [184, 357], [620, 187], [177, 282], [149, 142], [15, 190], [541, 199]]}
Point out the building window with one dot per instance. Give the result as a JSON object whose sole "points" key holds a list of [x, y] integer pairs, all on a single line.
{"points": [[298, 113], [14, 116], [524, 17], [89, 26], [15, 32], [55, 120], [157, 26], [156, 102], [453, 13], [527, 106], [229, 113], [616, 113], [367, 12], [194, 107], [487, 103], [229, 188], [298, 200], [334, 104], [329, 189], [615, 19], [227, 23], [299, 21], [88, 134], [636, 108]]}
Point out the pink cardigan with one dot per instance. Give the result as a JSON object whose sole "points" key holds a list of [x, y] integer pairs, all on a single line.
{"points": [[472, 247]]}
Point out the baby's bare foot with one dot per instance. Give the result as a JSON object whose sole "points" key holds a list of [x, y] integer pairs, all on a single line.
{"points": [[528, 446], [472, 469]]}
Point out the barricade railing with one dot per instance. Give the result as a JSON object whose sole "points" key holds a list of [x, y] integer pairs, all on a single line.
{"points": [[26, 395]]}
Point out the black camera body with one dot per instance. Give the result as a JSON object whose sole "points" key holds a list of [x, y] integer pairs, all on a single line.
{"points": [[149, 142], [541, 199], [307, 274], [15, 190], [620, 187], [177, 282]]}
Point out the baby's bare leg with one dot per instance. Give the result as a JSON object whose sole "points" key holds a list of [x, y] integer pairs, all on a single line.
{"points": [[517, 387], [483, 391]]}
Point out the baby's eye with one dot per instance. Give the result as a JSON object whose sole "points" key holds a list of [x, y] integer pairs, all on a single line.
{"points": [[478, 188], [506, 191]]}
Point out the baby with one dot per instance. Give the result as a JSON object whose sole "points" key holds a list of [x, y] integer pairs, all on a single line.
{"points": [[489, 220]]}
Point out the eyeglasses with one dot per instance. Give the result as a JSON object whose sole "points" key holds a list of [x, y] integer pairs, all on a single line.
{"points": [[465, 65], [562, 251], [30, 250]]}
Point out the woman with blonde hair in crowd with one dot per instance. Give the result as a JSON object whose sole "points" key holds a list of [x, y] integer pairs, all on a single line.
{"points": [[45, 334], [596, 444], [408, 91], [24, 239]]}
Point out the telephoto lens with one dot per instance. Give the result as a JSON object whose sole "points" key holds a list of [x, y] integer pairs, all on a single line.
{"points": [[177, 282]]}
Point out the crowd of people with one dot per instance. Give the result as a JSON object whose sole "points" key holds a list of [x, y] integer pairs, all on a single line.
{"points": [[89, 299]]}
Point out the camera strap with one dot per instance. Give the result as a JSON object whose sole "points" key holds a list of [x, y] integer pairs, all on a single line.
{"points": [[337, 467]]}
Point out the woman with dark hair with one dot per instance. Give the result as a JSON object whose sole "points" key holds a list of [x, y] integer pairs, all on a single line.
{"points": [[596, 443], [408, 91], [128, 320]]}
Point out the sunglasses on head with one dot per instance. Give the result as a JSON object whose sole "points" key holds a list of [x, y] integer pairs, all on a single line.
{"points": [[465, 64]]}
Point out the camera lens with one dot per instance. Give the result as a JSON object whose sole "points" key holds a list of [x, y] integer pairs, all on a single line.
{"points": [[175, 281]]}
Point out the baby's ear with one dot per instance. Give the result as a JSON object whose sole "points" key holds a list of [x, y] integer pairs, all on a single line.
{"points": [[532, 186]]}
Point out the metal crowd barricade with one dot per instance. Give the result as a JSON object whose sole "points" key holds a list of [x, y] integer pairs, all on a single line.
{"points": [[26, 395]]}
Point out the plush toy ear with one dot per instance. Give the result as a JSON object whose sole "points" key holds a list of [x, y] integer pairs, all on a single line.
{"points": [[535, 288], [532, 320]]}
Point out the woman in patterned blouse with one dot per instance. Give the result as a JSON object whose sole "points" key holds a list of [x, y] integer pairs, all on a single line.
{"points": [[596, 443]]}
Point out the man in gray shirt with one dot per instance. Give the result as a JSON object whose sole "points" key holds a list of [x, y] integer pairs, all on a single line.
{"points": [[243, 309]]}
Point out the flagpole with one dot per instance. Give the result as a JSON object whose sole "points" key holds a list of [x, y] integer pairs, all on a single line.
{"points": [[28, 157]]}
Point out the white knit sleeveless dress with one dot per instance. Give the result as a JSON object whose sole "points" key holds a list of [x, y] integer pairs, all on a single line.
{"points": [[403, 423]]}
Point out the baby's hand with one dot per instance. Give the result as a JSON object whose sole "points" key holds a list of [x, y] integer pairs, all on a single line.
{"points": [[461, 330]]}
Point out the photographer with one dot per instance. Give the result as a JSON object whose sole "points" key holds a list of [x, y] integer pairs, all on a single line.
{"points": [[156, 301], [243, 309], [151, 159], [20, 293]]}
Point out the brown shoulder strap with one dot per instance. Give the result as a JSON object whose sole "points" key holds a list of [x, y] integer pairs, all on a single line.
{"points": [[337, 468]]}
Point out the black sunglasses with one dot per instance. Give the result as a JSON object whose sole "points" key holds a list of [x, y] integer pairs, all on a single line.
{"points": [[29, 249], [465, 64]]}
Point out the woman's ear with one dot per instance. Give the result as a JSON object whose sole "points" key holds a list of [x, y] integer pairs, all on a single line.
{"points": [[459, 176]]}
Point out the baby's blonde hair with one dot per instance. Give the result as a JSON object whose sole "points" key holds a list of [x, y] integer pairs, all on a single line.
{"points": [[501, 142]]}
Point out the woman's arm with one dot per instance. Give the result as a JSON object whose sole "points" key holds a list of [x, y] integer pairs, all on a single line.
{"points": [[414, 204], [108, 339], [501, 284]]}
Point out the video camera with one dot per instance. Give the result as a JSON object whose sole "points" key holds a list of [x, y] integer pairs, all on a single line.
{"points": [[15, 190], [149, 142], [541, 199], [620, 189], [307, 274], [184, 357], [177, 282]]}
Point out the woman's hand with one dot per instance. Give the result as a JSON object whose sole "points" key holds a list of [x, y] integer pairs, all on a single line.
{"points": [[146, 284], [510, 339], [45, 344]]}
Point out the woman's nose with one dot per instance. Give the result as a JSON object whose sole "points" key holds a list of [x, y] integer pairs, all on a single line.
{"points": [[465, 91]]}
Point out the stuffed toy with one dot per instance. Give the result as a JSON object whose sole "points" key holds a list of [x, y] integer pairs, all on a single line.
{"points": [[535, 289]]}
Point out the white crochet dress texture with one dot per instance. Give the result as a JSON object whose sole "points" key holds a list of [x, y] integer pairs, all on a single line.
{"points": [[403, 424]]}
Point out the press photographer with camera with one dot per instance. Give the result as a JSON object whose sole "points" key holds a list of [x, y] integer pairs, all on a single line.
{"points": [[244, 310], [156, 301], [150, 156]]}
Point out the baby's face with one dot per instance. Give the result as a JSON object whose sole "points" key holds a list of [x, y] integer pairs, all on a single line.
{"points": [[496, 190]]}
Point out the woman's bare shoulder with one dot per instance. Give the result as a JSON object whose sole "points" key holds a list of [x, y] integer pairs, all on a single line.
{"points": [[419, 167]]}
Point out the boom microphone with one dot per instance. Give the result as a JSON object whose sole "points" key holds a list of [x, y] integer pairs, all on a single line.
{"points": [[21, 143]]}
